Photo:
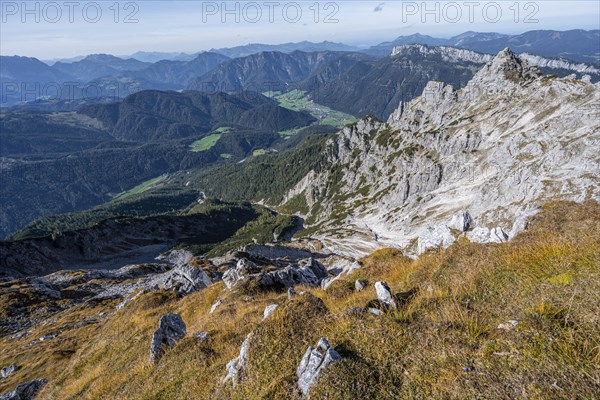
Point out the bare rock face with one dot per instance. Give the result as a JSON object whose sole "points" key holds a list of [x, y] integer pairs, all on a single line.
{"points": [[308, 272], [443, 235], [25, 391], [453, 54], [435, 236], [235, 367], [486, 235], [8, 371], [509, 66], [359, 285], [171, 330], [185, 279], [177, 257], [314, 361], [509, 141], [270, 309], [339, 266], [462, 222], [242, 269], [448, 54], [384, 295]]}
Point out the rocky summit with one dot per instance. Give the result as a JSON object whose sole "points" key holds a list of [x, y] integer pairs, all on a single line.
{"points": [[497, 149]]}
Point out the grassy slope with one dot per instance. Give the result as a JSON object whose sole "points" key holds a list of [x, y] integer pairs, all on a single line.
{"points": [[205, 143], [141, 188], [548, 279]]}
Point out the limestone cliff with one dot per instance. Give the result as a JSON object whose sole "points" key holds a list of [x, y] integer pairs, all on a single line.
{"points": [[491, 152]]}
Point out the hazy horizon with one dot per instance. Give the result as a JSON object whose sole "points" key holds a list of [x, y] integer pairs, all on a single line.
{"points": [[50, 31]]}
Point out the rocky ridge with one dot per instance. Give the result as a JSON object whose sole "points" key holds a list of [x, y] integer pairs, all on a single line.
{"points": [[495, 150], [455, 54], [251, 268]]}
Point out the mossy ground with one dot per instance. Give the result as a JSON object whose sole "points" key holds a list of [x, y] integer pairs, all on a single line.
{"points": [[442, 342]]}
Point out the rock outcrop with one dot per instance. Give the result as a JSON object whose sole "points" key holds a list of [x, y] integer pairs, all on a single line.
{"points": [[435, 236], [216, 305], [339, 266], [461, 222], [454, 54], [305, 271], [291, 293], [184, 279], [270, 309], [176, 257], [315, 360], [384, 295], [25, 391], [182, 274], [171, 330], [243, 268], [487, 235], [5, 372], [235, 367], [509, 141]]}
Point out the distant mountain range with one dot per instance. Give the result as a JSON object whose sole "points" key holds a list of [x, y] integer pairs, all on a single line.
{"points": [[576, 45], [95, 77], [328, 75], [231, 52], [253, 48], [385, 48], [356, 83], [154, 56], [350, 82], [96, 65]]}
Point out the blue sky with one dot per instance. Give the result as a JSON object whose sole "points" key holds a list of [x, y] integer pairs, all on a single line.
{"points": [[191, 26]]}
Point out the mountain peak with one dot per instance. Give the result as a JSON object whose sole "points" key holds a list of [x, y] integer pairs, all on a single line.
{"points": [[507, 66], [100, 57]]}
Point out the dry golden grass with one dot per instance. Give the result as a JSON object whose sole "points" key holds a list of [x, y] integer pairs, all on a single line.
{"points": [[547, 278]]}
